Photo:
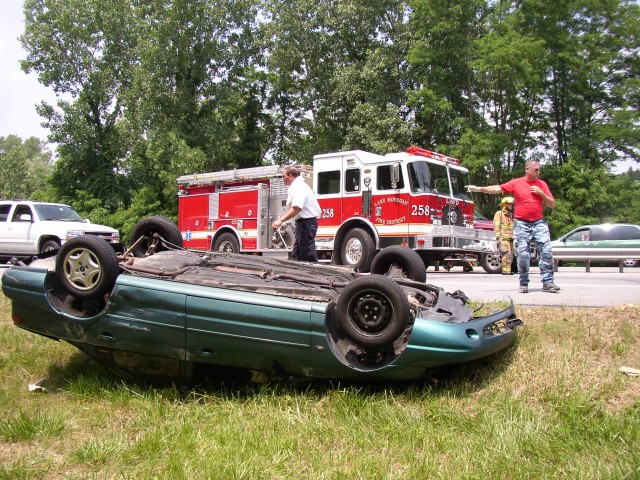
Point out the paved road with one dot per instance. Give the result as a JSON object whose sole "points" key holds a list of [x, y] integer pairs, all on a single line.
{"points": [[602, 287]]}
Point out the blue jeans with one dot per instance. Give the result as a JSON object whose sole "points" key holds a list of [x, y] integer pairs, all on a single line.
{"points": [[538, 231]]}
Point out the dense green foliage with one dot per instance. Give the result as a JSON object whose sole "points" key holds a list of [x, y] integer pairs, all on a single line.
{"points": [[153, 90], [24, 167]]}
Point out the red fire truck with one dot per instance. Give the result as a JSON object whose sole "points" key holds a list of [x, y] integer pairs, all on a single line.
{"points": [[414, 198]]}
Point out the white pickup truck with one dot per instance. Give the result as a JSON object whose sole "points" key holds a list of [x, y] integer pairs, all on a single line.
{"points": [[28, 228]]}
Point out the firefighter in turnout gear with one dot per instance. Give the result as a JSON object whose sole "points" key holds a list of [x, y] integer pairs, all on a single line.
{"points": [[503, 226]]}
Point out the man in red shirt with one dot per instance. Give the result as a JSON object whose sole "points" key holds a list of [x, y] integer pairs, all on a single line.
{"points": [[531, 196]]}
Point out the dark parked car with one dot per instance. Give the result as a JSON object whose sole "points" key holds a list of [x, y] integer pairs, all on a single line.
{"points": [[158, 311], [605, 235]]}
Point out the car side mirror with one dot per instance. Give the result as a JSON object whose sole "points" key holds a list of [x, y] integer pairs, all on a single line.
{"points": [[25, 217], [86, 220]]}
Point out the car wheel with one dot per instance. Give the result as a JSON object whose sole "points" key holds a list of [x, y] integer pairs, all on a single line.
{"points": [[50, 245], [227, 242], [373, 311], [491, 262], [87, 267], [399, 262], [631, 263], [154, 234], [357, 250]]}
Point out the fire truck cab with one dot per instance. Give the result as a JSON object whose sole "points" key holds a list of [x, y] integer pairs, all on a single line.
{"points": [[369, 201]]}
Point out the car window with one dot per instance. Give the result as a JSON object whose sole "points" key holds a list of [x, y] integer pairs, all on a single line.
{"points": [[601, 233], [4, 212], [581, 235], [385, 178], [352, 180], [629, 232], [48, 212], [20, 210], [329, 182]]}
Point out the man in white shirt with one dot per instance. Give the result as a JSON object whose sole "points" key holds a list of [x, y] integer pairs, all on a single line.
{"points": [[305, 209]]}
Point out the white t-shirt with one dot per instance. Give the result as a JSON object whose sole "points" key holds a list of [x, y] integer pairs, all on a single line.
{"points": [[300, 195]]}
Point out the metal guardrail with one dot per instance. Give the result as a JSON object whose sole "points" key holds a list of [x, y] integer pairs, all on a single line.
{"points": [[588, 255]]}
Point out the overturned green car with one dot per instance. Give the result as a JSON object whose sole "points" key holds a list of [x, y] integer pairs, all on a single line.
{"points": [[160, 312]]}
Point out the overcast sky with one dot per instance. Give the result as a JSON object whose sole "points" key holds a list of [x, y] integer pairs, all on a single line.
{"points": [[19, 92]]}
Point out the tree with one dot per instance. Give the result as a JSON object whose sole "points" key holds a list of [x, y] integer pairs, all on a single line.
{"points": [[24, 167], [445, 100], [593, 58], [82, 50]]}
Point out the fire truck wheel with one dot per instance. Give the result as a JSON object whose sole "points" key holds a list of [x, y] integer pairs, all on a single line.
{"points": [[373, 311], [154, 234], [399, 262], [227, 242], [491, 263], [87, 267], [357, 250]]}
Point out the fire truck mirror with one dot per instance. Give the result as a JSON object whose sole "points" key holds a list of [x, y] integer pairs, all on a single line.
{"points": [[396, 173]]}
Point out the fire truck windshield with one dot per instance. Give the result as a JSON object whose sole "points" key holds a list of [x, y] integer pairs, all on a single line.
{"points": [[427, 177], [458, 180]]}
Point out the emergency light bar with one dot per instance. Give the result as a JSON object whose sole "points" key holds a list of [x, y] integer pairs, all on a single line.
{"points": [[434, 155]]}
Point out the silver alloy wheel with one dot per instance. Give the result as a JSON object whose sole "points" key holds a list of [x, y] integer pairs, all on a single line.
{"points": [[82, 269]]}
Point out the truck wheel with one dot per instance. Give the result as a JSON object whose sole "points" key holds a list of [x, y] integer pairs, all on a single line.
{"points": [[227, 242], [491, 262], [357, 250], [50, 245], [87, 267], [373, 311], [399, 262], [155, 234]]}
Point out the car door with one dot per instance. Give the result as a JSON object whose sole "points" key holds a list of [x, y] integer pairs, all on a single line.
{"points": [[629, 236], [604, 236], [144, 328], [248, 330], [578, 238], [19, 238], [5, 210]]}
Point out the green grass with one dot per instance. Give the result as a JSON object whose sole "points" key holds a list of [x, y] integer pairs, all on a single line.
{"points": [[554, 406]]}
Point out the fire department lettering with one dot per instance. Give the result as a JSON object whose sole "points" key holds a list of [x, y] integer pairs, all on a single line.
{"points": [[401, 201], [395, 221]]}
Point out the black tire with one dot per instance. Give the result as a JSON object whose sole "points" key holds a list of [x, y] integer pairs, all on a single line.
{"points": [[87, 267], [491, 262], [357, 250], [157, 233], [373, 311], [50, 245], [399, 262], [226, 242]]}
